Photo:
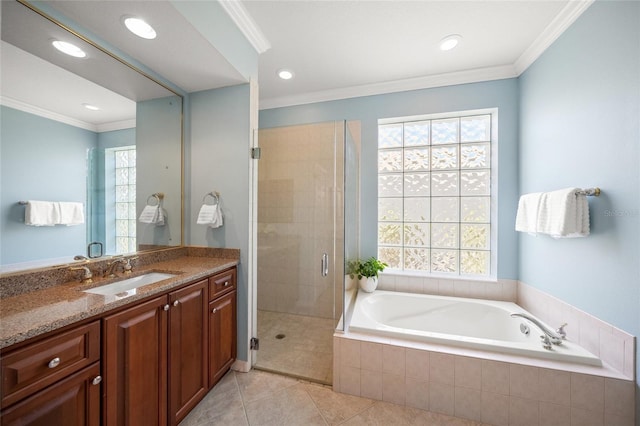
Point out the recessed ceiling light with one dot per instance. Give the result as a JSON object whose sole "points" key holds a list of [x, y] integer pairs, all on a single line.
{"points": [[139, 27], [285, 74], [450, 41], [69, 48], [91, 107]]}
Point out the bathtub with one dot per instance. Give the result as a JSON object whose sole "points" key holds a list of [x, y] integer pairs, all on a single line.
{"points": [[469, 323]]}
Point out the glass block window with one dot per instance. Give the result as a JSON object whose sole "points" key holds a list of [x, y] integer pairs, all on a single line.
{"points": [[434, 194], [125, 196]]}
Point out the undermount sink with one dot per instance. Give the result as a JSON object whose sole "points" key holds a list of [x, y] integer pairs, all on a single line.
{"points": [[129, 285]]}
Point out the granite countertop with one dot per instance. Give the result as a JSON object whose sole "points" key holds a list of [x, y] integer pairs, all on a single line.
{"points": [[33, 313]]}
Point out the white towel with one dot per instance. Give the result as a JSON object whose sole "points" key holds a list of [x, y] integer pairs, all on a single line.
{"points": [[211, 215], [208, 214], [527, 215], [162, 216], [564, 214], [42, 213], [218, 222], [153, 215], [560, 214], [71, 213]]}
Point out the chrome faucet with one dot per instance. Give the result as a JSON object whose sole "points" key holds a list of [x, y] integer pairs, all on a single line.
{"points": [[128, 267], [549, 337], [86, 276], [110, 272]]}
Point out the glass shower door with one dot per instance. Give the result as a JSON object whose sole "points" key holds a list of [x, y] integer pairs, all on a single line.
{"points": [[300, 247]]}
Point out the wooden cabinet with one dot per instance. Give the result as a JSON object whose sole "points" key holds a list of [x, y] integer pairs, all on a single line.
{"points": [[222, 324], [188, 353], [55, 381], [222, 336], [159, 359], [135, 364]]}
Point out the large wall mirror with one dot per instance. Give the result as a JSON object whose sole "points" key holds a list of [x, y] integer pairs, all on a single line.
{"points": [[115, 160]]}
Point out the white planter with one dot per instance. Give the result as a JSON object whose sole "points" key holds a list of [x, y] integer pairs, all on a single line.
{"points": [[368, 284]]}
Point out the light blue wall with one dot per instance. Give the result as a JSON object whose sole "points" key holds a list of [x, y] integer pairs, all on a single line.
{"points": [[502, 94], [220, 137], [45, 160], [580, 113]]}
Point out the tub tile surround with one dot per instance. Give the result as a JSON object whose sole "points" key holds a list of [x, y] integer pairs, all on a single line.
{"points": [[493, 392], [614, 346], [504, 390], [502, 289]]}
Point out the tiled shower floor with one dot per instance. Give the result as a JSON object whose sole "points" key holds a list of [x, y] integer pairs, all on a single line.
{"points": [[305, 351]]}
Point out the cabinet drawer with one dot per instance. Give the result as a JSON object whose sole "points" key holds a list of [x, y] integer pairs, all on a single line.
{"points": [[73, 401], [222, 283], [36, 366]]}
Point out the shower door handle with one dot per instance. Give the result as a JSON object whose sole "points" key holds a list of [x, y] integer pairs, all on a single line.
{"points": [[324, 265]]}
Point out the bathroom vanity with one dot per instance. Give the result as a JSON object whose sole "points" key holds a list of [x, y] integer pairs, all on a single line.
{"points": [[147, 358]]}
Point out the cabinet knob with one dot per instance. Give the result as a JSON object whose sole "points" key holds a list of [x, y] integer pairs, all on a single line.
{"points": [[226, 283], [214, 310], [175, 303], [96, 380], [166, 307], [54, 362]]}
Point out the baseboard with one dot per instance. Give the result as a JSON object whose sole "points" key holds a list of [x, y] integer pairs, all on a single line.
{"points": [[241, 366]]}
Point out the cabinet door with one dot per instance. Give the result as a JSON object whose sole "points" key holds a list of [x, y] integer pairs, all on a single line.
{"points": [[135, 365], [73, 401], [187, 349], [222, 336]]}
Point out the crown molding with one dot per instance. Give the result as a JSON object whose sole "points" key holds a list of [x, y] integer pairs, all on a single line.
{"points": [[427, 82], [116, 125], [567, 16], [245, 23], [45, 113], [31, 109]]}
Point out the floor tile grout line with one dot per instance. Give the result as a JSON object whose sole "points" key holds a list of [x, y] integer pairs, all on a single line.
{"points": [[244, 407], [313, 401]]}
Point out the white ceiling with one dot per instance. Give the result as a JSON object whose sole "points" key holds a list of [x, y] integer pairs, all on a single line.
{"points": [[338, 49]]}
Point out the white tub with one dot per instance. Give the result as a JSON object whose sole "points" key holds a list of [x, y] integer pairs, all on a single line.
{"points": [[470, 323]]}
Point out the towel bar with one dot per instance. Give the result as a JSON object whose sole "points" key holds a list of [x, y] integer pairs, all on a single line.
{"points": [[589, 192]]}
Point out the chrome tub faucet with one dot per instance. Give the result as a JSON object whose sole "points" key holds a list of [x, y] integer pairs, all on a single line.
{"points": [[549, 336]]}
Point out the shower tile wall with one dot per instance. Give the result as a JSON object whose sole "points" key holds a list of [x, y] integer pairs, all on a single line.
{"points": [[296, 219]]}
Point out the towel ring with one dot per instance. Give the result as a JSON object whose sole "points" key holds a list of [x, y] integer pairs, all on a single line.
{"points": [[215, 195], [159, 196]]}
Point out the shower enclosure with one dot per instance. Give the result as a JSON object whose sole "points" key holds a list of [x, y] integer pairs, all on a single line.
{"points": [[304, 174]]}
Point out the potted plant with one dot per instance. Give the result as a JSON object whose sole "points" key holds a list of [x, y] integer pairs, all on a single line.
{"points": [[367, 272]]}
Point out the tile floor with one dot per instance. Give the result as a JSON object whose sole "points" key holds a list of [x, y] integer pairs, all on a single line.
{"points": [[262, 398], [306, 351]]}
